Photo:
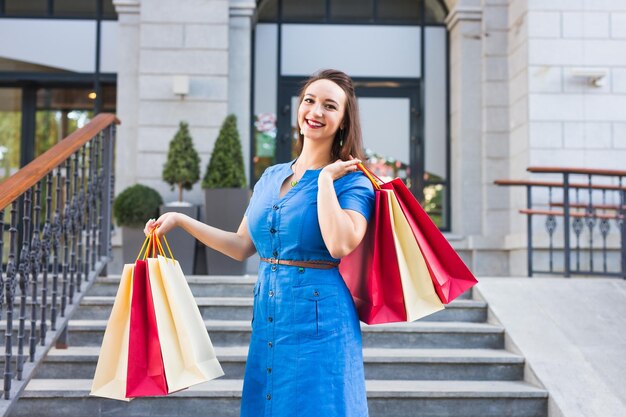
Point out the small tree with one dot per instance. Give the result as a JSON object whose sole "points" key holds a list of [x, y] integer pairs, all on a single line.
{"points": [[226, 168], [183, 162]]}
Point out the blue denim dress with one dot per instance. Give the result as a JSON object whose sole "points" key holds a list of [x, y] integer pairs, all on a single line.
{"points": [[305, 357]]}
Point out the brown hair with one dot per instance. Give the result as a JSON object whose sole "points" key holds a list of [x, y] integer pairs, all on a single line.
{"points": [[351, 132]]}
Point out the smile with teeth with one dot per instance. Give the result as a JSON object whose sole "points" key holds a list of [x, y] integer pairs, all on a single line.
{"points": [[313, 124]]}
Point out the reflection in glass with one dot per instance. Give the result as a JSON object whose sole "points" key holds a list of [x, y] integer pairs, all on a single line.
{"points": [[304, 10], [26, 7], [264, 142], [108, 10], [73, 8], [10, 131], [267, 11], [435, 11], [399, 10], [351, 10], [61, 111], [434, 203]]}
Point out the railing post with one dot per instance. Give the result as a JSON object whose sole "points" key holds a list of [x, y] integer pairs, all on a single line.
{"points": [[566, 231], [107, 193], [529, 231], [622, 213]]}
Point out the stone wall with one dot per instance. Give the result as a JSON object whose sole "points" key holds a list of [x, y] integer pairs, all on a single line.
{"points": [[160, 39]]}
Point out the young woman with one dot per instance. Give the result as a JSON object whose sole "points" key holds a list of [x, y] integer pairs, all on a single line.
{"points": [[305, 356]]}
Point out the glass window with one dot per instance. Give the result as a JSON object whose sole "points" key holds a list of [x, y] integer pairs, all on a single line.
{"points": [[352, 10], [355, 49], [304, 10], [73, 8], [265, 87], [435, 105], [399, 10], [26, 7]]}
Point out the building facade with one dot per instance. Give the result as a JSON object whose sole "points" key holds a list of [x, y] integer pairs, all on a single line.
{"points": [[453, 94]]}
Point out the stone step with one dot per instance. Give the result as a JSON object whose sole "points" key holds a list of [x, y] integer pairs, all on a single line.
{"points": [[201, 285], [240, 308], [204, 286], [420, 334], [427, 398], [380, 363]]}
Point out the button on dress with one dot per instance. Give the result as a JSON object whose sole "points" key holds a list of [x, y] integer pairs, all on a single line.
{"points": [[305, 357]]}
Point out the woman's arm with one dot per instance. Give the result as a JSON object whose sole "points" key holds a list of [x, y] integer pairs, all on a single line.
{"points": [[237, 245], [342, 230]]}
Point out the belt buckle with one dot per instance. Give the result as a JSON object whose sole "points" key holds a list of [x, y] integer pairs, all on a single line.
{"points": [[274, 261]]}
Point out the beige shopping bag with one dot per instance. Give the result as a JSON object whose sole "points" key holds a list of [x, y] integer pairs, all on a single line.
{"points": [[188, 354], [110, 378], [420, 297]]}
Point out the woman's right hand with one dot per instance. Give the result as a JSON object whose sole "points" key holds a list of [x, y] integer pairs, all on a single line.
{"points": [[165, 223]]}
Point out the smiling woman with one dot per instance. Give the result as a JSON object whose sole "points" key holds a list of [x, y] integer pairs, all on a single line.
{"points": [[305, 356], [328, 108]]}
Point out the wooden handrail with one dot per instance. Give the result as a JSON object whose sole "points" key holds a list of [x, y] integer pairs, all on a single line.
{"points": [[593, 206], [28, 176], [557, 184], [572, 214], [585, 171]]}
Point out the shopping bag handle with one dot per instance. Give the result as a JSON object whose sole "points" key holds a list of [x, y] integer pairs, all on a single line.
{"points": [[158, 243], [152, 245], [370, 175], [145, 247]]}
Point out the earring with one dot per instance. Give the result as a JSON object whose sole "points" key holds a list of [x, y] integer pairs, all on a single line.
{"points": [[301, 132], [340, 138]]}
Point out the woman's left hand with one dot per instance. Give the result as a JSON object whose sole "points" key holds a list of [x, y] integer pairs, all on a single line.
{"points": [[340, 168]]}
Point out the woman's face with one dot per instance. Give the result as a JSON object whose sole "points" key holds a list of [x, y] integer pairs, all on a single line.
{"points": [[321, 111]]}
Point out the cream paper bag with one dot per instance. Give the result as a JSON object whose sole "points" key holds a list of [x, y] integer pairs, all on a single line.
{"points": [[188, 354], [420, 297], [109, 380]]}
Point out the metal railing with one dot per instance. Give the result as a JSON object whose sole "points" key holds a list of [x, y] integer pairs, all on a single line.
{"points": [[57, 210], [589, 210]]}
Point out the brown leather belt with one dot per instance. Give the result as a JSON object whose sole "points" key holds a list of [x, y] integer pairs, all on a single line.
{"points": [[302, 264]]}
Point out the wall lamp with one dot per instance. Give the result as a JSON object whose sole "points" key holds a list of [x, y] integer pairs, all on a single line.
{"points": [[595, 76]]}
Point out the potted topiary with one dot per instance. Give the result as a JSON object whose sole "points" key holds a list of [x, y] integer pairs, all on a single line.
{"points": [[131, 209], [226, 194], [182, 170]]}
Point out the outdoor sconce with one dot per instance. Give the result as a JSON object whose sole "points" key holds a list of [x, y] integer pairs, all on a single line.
{"points": [[594, 76], [180, 85]]}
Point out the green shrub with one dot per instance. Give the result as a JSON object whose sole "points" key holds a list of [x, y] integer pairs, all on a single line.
{"points": [[226, 168], [135, 205], [183, 162]]}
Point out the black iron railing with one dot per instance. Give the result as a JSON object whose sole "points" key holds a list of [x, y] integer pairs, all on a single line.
{"points": [[56, 214], [588, 205]]}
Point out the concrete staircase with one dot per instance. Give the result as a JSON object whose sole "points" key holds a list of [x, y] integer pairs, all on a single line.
{"points": [[450, 364]]}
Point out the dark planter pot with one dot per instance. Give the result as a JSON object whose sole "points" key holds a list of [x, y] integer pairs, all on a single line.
{"points": [[224, 208], [182, 243], [132, 239]]}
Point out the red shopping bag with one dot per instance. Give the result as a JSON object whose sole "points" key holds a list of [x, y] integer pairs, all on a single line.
{"points": [[451, 277], [371, 271], [146, 374]]}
